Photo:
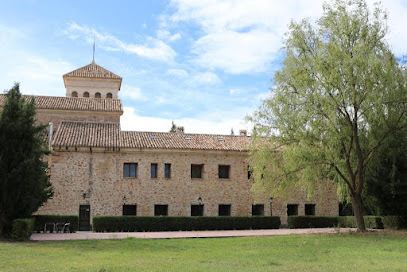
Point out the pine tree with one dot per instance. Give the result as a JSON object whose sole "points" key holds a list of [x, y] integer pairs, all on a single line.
{"points": [[173, 127], [24, 183]]}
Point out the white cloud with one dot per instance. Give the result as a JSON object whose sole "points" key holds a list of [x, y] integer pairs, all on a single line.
{"points": [[166, 35], [245, 36], [207, 78], [131, 92], [177, 72], [152, 49], [130, 120]]}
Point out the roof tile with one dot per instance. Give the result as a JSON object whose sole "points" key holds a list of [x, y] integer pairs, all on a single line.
{"points": [[92, 71]]}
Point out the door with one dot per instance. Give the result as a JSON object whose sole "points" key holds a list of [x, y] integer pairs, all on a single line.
{"points": [[84, 217]]}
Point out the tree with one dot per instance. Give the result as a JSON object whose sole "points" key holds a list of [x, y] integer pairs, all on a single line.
{"points": [[24, 183], [339, 94], [386, 177], [173, 127], [232, 132]]}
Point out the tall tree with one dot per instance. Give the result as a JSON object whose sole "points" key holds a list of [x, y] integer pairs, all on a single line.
{"points": [[24, 183], [339, 83], [173, 127]]}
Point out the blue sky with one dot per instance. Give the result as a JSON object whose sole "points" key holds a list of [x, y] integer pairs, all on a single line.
{"points": [[204, 64]]}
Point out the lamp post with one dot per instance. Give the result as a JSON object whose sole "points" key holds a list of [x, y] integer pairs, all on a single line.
{"points": [[271, 206], [200, 200], [124, 200]]}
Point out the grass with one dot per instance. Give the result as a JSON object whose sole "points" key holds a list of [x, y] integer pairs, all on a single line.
{"points": [[350, 252]]}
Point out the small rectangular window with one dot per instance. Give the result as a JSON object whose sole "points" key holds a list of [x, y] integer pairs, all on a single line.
{"points": [[223, 171], [160, 210], [224, 209], [292, 209], [129, 209], [258, 209], [154, 167], [130, 170], [309, 209], [197, 210], [167, 170], [196, 170]]}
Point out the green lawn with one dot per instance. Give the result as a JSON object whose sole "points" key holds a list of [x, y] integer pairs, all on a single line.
{"points": [[350, 252]]}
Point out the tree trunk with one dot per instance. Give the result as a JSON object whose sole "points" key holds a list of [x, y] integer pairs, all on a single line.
{"points": [[358, 210]]}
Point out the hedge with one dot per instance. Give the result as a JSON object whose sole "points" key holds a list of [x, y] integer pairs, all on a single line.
{"points": [[22, 229], [371, 222], [172, 223], [41, 220], [298, 222], [394, 222]]}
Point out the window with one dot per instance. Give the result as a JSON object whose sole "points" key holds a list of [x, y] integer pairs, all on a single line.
{"points": [[196, 170], [292, 209], [160, 210], [167, 170], [249, 172], [109, 95], [130, 170], [74, 94], [258, 209], [224, 210], [309, 209], [223, 171], [154, 167], [85, 94], [98, 95], [129, 209], [197, 210]]}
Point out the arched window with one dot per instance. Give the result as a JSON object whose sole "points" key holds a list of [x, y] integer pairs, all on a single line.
{"points": [[98, 95], [109, 95], [74, 94], [85, 94]]}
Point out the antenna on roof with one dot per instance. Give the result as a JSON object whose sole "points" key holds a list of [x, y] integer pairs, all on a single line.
{"points": [[93, 60]]}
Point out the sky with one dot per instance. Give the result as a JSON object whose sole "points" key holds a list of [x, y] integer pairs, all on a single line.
{"points": [[205, 65]]}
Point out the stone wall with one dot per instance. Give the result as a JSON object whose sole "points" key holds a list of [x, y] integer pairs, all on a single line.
{"points": [[99, 174]]}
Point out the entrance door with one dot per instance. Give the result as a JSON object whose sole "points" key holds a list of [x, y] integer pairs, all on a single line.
{"points": [[84, 217]]}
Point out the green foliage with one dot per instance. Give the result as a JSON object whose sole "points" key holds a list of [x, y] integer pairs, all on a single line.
{"points": [[22, 229], [41, 220], [372, 222], [386, 177], [173, 223], [24, 183], [173, 127], [394, 222], [299, 222], [339, 94]]}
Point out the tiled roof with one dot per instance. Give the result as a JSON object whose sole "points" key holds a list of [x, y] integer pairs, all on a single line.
{"points": [[84, 134], [92, 71], [81, 134], [73, 103], [167, 140]]}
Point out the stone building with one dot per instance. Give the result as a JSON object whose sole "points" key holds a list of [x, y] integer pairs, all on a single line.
{"points": [[98, 169]]}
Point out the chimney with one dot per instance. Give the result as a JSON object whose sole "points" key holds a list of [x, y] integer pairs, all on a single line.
{"points": [[243, 132], [180, 130]]}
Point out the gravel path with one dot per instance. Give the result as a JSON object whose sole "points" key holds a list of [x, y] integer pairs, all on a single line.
{"points": [[82, 235]]}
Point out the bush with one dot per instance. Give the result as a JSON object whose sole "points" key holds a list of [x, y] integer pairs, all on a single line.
{"points": [[172, 223], [298, 222], [394, 222], [22, 229], [41, 220], [371, 222]]}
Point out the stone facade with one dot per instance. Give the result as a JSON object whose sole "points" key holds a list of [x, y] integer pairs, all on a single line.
{"points": [[90, 150]]}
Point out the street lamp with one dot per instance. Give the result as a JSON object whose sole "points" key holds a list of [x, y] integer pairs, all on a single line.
{"points": [[200, 200], [271, 206], [124, 200]]}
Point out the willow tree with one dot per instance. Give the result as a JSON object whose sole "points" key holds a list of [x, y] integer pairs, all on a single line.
{"points": [[339, 82]]}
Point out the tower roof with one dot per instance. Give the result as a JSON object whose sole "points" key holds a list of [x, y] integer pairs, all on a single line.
{"points": [[92, 70]]}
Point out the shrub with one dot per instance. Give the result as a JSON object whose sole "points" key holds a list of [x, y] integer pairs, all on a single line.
{"points": [[172, 223], [394, 222], [22, 229], [41, 220], [371, 222], [298, 222]]}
